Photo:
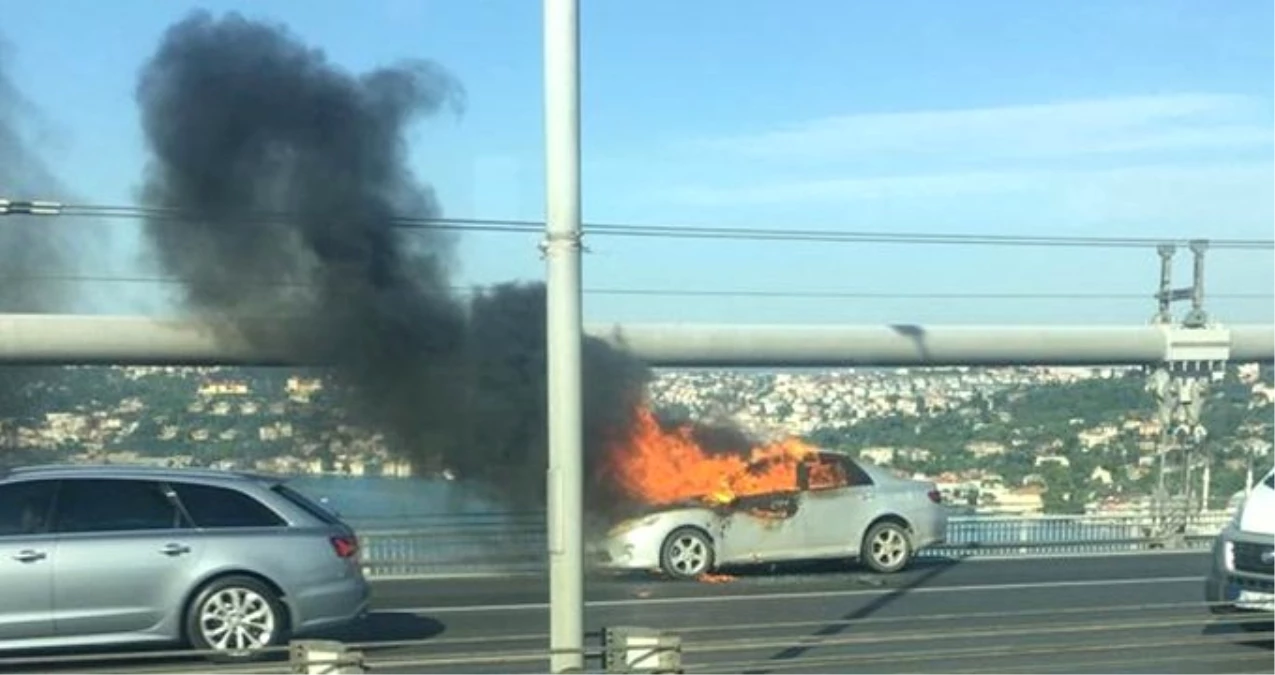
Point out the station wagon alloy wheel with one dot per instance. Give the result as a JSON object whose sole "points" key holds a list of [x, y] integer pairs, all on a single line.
{"points": [[237, 619], [887, 547], [687, 553]]}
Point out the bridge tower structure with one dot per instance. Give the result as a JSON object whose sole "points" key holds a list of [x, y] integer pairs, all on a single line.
{"points": [[1196, 358]]}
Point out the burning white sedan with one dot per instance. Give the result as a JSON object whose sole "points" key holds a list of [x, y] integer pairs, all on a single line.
{"points": [[835, 507]]}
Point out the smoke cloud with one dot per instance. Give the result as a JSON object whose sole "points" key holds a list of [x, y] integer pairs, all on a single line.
{"points": [[29, 250], [241, 121]]}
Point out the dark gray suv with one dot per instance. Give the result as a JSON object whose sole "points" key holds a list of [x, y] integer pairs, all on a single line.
{"points": [[224, 561]]}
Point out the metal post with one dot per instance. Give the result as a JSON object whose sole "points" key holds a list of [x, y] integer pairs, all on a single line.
{"points": [[1205, 478], [565, 334], [1197, 316], [324, 657], [1248, 474], [1165, 296]]}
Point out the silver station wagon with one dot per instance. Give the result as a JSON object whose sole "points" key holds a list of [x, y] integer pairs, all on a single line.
{"points": [[222, 561]]}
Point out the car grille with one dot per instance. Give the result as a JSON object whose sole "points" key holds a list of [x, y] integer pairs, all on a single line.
{"points": [[1248, 557]]}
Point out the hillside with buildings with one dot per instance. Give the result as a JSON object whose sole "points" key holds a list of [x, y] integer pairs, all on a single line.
{"points": [[1012, 439], [265, 419]]}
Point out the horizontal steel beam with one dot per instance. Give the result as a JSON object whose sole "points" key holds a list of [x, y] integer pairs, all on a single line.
{"points": [[137, 340], [912, 345]]}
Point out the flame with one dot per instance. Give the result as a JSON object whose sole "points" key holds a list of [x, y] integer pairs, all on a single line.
{"points": [[659, 467]]}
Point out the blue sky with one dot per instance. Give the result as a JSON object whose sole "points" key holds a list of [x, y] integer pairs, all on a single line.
{"points": [[1082, 117]]}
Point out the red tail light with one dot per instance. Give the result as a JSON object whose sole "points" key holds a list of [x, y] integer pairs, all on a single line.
{"points": [[345, 547], [935, 496]]}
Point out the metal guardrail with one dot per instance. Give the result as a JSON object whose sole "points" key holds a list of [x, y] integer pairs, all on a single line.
{"points": [[513, 544]]}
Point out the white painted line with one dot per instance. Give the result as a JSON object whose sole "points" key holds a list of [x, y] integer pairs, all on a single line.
{"points": [[803, 595]]}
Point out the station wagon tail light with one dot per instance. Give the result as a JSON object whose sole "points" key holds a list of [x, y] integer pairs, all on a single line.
{"points": [[345, 547], [935, 496]]}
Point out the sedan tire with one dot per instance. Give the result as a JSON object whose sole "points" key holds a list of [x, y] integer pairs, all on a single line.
{"points": [[887, 548], [687, 553], [237, 617]]}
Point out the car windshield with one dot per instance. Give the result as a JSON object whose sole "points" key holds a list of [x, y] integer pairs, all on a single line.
{"points": [[1269, 481]]}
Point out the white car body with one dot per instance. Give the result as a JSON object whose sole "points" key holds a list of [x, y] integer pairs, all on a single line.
{"points": [[1243, 565], [901, 516]]}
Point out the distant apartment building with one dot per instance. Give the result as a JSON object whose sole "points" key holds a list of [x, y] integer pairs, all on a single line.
{"points": [[224, 388], [302, 389]]}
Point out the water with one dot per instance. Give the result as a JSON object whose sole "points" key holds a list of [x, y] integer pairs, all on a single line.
{"points": [[376, 497]]}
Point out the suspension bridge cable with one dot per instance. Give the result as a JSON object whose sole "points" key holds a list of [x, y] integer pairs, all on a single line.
{"points": [[687, 293], [700, 232]]}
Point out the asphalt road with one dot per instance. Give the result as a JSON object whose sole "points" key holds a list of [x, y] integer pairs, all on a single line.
{"points": [[1133, 613]]}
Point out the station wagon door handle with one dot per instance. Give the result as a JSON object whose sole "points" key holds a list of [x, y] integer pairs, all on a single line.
{"points": [[29, 556], [174, 549]]}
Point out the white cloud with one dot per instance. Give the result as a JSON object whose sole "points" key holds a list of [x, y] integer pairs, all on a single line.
{"points": [[1114, 125], [1230, 196]]}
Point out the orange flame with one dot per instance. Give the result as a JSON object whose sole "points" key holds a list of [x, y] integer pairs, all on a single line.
{"points": [[660, 467]]}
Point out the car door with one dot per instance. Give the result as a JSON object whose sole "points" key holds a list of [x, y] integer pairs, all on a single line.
{"points": [[766, 527], [837, 500], [26, 560], [125, 556]]}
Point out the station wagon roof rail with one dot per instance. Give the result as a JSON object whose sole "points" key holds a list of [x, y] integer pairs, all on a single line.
{"points": [[138, 470]]}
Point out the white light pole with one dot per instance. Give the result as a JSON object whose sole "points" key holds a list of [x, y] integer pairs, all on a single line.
{"points": [[565, 334]]}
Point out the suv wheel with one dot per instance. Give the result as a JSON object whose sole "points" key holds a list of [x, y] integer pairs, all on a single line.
{"points": [[237, 617]]}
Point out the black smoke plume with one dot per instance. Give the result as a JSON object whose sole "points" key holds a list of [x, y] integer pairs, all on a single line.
{"points": [[242, 121], [29, 252]]}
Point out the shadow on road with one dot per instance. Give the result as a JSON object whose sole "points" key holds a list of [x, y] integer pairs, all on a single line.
{"points": [[1252, 632], [806, 568], [389, 626], [826, 567], [929, 570]]}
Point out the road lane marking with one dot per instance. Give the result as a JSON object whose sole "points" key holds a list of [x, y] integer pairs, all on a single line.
{"points": [[802, 595]]}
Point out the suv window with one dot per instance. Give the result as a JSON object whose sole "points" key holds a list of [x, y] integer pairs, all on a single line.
{"points": [[1270, 480], [215, 507], [115, 505], [25, 506]]}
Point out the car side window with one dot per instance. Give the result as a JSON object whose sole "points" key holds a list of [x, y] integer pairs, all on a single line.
{"points": [[25, 507], [855, 475], [114, 505], [215, 507], [825, 473]]}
